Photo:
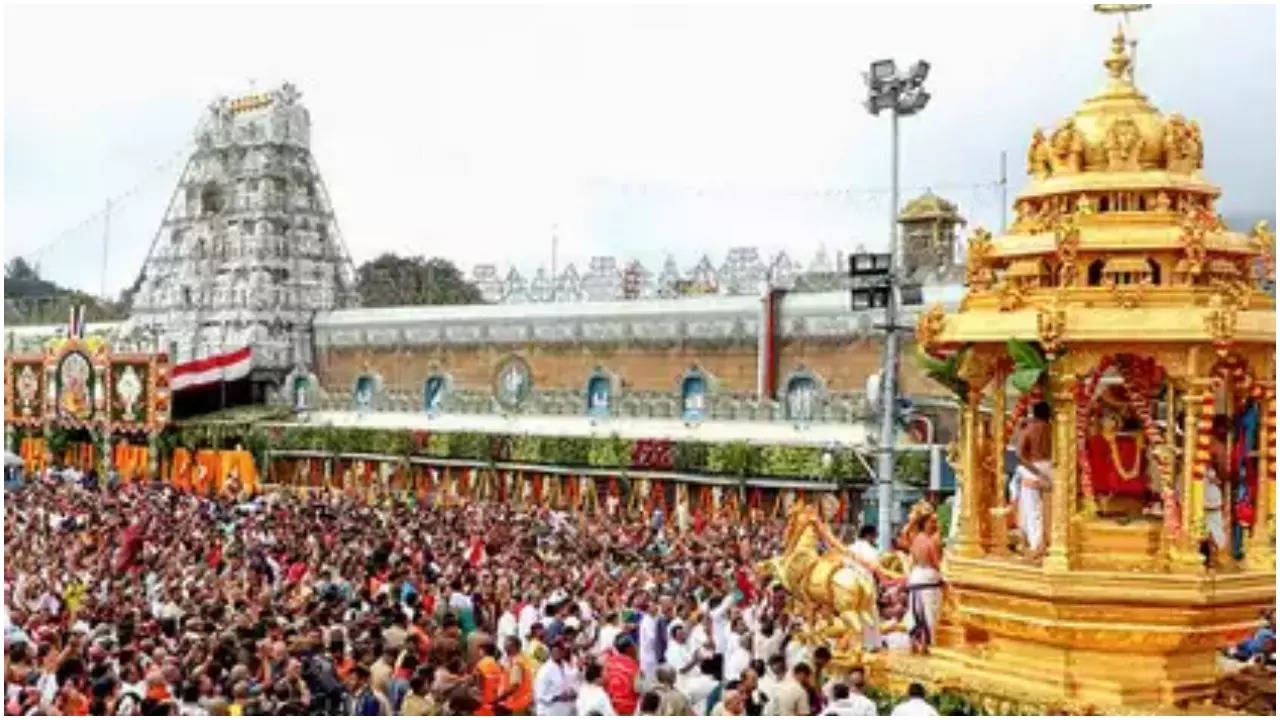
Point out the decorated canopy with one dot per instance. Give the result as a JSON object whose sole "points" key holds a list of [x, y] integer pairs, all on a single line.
{"points": [[79, 383]]}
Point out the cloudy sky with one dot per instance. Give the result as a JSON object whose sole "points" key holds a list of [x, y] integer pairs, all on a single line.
{"points": [[470, 132]]}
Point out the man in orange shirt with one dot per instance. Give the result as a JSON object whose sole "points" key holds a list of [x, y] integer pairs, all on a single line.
{"points": [[489, 676], [517, 698]]}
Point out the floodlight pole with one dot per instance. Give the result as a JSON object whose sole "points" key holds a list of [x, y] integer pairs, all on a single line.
{"points": [[889, 369]]}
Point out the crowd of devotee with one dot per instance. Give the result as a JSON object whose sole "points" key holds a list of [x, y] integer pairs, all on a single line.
{"points": [[143, 599]]}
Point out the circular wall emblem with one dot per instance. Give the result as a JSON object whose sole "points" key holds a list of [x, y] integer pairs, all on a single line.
{"points": [[512, 382]]}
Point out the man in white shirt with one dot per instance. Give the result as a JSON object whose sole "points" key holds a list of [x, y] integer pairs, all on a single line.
{"points": [[592, 699], [528, 616], [848, 699], [552, 692], [915, 703], [772, 680], [507, 625], [720, 624], [738, 659], [608, 633], [680, 656], [865, 553], [648, 640]]}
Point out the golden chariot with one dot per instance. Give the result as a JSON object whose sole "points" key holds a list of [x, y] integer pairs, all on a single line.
{"points": [[1121, 298]]}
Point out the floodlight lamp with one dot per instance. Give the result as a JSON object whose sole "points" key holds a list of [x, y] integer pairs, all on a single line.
{"points": [[872, 106], [861, 299], [919, 101], [919, 71], [883, 70]]}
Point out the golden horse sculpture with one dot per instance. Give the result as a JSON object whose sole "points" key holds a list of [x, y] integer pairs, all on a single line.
{"points": [[836, 600]]}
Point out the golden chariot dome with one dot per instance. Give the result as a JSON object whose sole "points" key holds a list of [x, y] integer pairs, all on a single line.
{"points": [[1117, 213]]}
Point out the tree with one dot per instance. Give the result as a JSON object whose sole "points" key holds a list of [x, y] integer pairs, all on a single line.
{"points": [[30, 299], [390, 280]]}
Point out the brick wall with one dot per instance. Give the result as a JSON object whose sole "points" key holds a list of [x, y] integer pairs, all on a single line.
{"points": [[844, 367]]}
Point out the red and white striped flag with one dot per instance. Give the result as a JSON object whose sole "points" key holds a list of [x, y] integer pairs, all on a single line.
{"points": [[213, 369]]}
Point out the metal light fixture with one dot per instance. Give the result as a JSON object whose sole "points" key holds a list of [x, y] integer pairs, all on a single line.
{"points": [[883, 70], [901, 95], [919, 71]]}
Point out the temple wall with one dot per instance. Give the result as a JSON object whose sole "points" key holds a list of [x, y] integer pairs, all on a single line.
{"points": [[841, 366]]}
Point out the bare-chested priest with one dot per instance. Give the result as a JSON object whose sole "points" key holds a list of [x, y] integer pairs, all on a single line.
{"points": [[1035, 451]]}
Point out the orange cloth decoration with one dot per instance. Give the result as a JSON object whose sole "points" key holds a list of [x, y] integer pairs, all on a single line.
{"points": [[180, 467], [211, 482]]}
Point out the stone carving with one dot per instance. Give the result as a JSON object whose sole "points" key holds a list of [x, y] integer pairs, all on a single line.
{"points": [[656, 329], [555, 332], [607, 331], [382, 336], [508, 333], [464, 333], [422, 335]]}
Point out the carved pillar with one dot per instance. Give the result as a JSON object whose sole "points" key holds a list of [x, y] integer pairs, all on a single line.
{"points": [[967, 541], [999, 503], [1064, 472], [1196, 421], [1261, 551]]}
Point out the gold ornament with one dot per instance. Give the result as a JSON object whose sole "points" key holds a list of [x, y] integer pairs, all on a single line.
{"points": [[930, 325]]}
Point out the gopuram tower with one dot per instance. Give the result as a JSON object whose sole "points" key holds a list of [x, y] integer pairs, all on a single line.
{"points": [[1122, 300], [248, 250]]}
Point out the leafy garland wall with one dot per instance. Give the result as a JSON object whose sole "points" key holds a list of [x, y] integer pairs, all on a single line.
{"points": [[735, 459]]}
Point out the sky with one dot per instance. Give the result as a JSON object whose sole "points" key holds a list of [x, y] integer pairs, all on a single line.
{"points": [[477, 132]]}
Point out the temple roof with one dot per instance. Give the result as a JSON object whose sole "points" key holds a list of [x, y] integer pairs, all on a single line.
{"points": [[930, 207]]}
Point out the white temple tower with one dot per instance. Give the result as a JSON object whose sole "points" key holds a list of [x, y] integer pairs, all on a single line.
{"points": [[249, 249]]}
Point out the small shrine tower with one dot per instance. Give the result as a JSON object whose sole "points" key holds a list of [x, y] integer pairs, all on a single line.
{"points": [[929, 225], [1121, 300], [249, 249]]}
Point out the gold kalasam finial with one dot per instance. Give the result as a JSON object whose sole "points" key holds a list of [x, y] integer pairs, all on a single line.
{"points": [[1118, 63]]}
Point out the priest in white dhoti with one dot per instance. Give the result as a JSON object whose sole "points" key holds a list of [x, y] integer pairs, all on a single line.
{"points": [[1034, 476]]}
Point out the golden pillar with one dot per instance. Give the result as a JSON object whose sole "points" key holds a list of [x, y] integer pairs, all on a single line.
{"points": [[1188, 554], [1261, 553], [999, 503], [1064, 472], [967, 542]]}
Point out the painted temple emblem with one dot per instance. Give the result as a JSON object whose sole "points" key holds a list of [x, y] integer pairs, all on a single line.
{"points": [[300, 393], [434, 393], [28, 387], [598, 396], [694, 398], [512, 383], [364, 392], [129, 390], [75, 377], [801, 399]]}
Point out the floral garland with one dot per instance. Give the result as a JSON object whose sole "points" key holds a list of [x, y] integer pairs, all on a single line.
{"points": [[1084, 413], [1138, 380]]}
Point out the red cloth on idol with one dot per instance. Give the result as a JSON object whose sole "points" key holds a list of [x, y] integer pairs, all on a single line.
{"points": [[1106, 477]]}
